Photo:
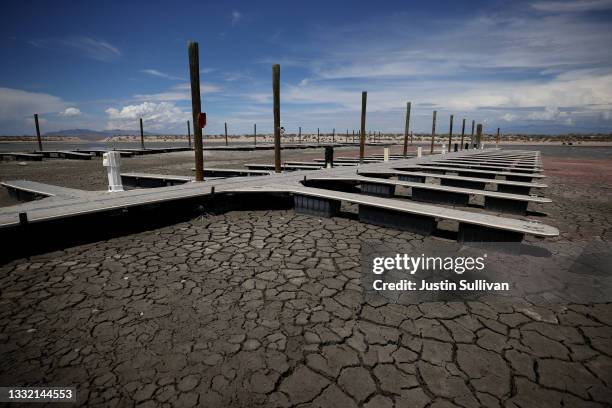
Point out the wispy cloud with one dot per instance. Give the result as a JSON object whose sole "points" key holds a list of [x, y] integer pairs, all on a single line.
{"points": [[236, 16], [571, 6], [179, 92], [87, 47], [154, 72]]}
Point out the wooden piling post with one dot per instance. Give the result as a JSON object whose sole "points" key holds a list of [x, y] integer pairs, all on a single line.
{"points": [[334, 135], [38, 132], [300, 135], [255, 133], [462, 132], [189, 133], [472, 135], [196, 108], [346, 139], [406, 128], [141, 135], [364, 100], [433, 132], [497, 139], [318, 135], [277, 121], [478, 135], [226, 133], [450, 133]]}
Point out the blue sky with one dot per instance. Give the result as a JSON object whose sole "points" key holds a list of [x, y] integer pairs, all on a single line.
{"points": [[540, 66]]}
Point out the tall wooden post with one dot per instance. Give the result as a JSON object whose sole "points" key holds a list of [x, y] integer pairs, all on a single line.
{"points": [[255, 133], [38, 132], [353, 137], [346, 139], [408, 106], [462, 132], [300, 135], [411, 134], [226, 133], [497, 139], [433, 132], [277, 121], [196, 108], [317, 135], [189, 133], [141, 135], [450, 133], [334, 135], [479, 135], [472, 135], [364, 100]]}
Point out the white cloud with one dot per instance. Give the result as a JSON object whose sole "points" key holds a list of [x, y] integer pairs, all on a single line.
{"points": [[236, 17], [92, 48], [154, 72], [570, 6], [180, 92], [157, 116], [70, 112], [19, 104]]}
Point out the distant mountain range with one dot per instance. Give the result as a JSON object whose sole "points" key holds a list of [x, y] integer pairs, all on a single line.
{"points": [[89, 134]]}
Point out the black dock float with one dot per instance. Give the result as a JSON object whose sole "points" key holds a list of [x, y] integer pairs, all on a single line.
{"points": [[382, 217], [439, 197], [316, 206], [504, 205], [476, 185], [509, 188], [525, 178], [475, 175], [381, 190], [413, 179], [478, 233]]}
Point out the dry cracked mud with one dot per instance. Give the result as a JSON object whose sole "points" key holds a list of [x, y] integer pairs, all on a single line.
{"points": [[265, 308]]}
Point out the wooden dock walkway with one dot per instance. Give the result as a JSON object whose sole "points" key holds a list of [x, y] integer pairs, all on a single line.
{"points": [[391, 212]]}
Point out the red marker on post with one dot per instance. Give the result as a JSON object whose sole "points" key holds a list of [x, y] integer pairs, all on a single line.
{"points": [[202, 120]]}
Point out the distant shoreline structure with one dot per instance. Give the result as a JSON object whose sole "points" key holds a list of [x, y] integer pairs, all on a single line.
{"points": [[309, 137]]}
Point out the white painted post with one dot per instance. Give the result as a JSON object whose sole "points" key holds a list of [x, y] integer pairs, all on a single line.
{"points": [[482, 146], [443, 148], [386, 154], [419, 151], [112, 162]]}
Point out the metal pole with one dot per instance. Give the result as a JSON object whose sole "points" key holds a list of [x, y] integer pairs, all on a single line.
{"points": [[226, 133], [408, 106], [196, 108], [277, 121], [189, 133], [364, 100], [450, 133], [433, 132], [38, 132], [141, 135]]}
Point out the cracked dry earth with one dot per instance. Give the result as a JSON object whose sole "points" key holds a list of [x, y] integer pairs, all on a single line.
{"points": [[266, 309]]}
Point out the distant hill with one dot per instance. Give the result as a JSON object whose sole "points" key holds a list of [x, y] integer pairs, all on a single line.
{"points": [[89, 134]]}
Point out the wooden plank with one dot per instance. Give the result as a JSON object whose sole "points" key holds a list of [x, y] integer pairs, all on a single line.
{"points": [[419, 167], [485, 220], [437, 187], [461, 178]]}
